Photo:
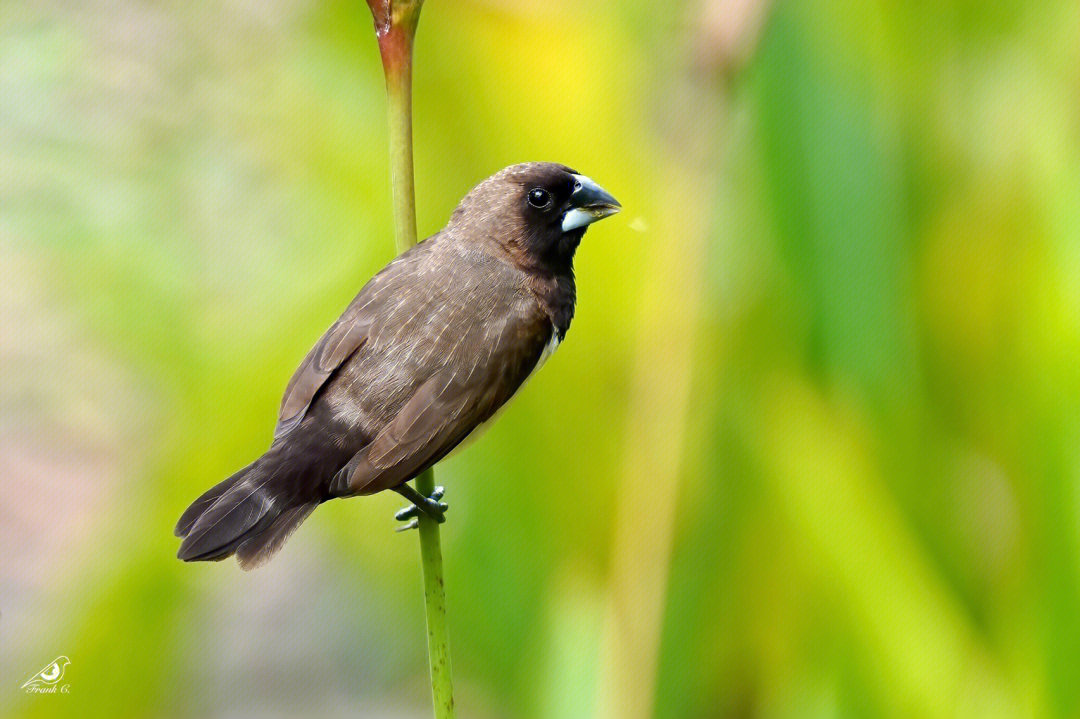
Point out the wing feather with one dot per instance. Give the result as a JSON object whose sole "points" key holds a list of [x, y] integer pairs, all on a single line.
{"points": [[344, 338], [446, 408]]}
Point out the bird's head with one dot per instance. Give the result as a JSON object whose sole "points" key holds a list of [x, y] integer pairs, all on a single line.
{"points": [[536, 211]]}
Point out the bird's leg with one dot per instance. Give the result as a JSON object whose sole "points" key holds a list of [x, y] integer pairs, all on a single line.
{"points": [[431, 506]]}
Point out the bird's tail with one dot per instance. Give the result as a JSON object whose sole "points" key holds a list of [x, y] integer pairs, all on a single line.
{"points": [[250, 514]]}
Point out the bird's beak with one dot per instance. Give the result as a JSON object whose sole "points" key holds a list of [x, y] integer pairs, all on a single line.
{"points": [[588, 203]]}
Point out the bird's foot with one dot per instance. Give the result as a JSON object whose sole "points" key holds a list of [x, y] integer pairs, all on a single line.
{"points": [[431, 506]]}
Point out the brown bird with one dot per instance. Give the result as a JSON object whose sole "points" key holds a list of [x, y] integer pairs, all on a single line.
{"points": [[429, 350]]}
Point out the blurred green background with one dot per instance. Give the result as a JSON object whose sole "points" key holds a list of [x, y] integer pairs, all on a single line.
{"points": [[811, 448]]}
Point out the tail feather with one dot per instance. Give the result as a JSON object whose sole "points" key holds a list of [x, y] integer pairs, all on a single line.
{"points": [[250, 514], [200, 505], [259, 548]]}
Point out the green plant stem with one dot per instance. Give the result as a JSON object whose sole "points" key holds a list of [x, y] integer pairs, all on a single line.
{"points": [[395, 27], [442, 681], [399, 106]]}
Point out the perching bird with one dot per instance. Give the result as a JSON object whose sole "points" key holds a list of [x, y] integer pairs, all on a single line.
{"points": [[429, 350]]}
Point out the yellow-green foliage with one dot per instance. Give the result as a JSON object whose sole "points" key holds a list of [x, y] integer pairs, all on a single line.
{"points": [[810, 448]]}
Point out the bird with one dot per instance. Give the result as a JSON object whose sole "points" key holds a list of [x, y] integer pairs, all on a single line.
{"points": [[424, 356]]}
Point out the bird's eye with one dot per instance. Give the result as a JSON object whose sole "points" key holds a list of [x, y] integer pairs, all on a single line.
{"points": [[539, 198]]}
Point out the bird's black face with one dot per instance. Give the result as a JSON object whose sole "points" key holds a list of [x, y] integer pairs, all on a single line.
{"points": [[538, 211], [556, 205]]}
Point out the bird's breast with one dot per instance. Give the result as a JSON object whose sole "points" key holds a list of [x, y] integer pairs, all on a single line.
{"points": [[549, 349]]}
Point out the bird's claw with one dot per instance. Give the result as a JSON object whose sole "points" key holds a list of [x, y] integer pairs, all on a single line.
{"points": [[407, 513], [431, 506]]}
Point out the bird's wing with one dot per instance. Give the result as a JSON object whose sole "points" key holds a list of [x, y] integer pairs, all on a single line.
{"points": [[496, 357], [342, 340]]}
